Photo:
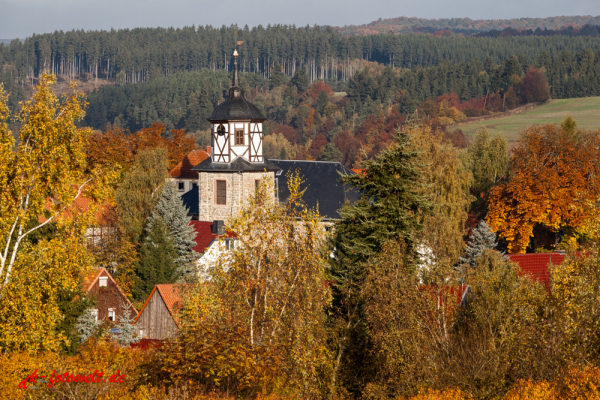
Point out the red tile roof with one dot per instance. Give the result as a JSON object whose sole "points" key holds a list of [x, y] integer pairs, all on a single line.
{"points": [[204, 235], [169, 292], [170, 295], [537, 265], [184, 168]]}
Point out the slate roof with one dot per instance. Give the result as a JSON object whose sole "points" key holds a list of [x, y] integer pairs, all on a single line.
{"points": [[236, 109], [238, 165], [184, 168], [190, 200], [322, 184]]}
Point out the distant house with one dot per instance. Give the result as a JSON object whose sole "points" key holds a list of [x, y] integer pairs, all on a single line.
{"points": [[110, 299], [185, 179], [537, 265], [157, 318], [209, 245]]}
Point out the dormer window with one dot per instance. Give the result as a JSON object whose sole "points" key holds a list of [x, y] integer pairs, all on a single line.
{"points": [[103, 281], [239, 137]]}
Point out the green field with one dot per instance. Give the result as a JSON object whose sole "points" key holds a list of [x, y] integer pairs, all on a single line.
{"points": [[586, 112]]}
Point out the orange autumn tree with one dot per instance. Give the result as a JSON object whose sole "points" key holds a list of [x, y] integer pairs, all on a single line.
{"points": [[116, 146], [554, 174]]}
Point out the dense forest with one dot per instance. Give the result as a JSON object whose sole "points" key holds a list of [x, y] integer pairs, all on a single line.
{"points": [[141, 54]]}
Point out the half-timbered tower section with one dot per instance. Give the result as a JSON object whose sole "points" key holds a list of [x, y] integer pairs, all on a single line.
{"points": [[236, 165]]}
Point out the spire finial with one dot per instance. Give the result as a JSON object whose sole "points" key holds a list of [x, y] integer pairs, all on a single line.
{"points": [[235, 82]]}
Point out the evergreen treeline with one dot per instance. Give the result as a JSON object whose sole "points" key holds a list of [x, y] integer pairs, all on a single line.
{"points": [[131, 56], [185, 100]]}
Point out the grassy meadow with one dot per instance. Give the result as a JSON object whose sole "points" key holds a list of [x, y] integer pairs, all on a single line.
{"points": [[586, 112]]}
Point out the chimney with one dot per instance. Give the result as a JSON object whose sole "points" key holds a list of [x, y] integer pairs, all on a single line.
{"points": [[208, 148], [218, 227]]}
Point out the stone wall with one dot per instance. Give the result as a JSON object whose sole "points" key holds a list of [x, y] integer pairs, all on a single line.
{"points": [[240, 185]]}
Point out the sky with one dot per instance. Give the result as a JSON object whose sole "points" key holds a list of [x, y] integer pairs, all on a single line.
{"points": [[22, 18]]}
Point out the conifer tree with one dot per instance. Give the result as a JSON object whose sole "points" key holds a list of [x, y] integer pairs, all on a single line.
{"points": [[277, 78], [388, 211], [125, 326], [301, 80], [87, 325], [482, 238], [157, 260], [174, 214]]}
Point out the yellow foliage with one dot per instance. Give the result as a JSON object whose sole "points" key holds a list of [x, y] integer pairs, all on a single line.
{"points": [[40, 179]]}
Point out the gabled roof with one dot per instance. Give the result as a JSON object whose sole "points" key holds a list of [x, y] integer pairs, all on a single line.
{"points": [[90, 280], [322, 183], [184, 168], [168, 293], [237, 165]]}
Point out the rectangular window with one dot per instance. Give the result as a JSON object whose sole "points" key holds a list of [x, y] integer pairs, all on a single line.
{"points": [[103, 281], [239, 137], [111, 314], [181, 186], [221, 193]]}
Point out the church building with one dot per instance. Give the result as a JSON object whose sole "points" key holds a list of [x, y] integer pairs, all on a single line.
{"points": [[234, 166]]}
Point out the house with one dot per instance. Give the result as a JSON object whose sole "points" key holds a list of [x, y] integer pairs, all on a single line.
{"points": [[157, 318], [110, 299], [185, 179]]}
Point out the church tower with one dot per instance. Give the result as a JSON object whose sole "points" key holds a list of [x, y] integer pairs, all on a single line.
{"points": [[236, 165]]}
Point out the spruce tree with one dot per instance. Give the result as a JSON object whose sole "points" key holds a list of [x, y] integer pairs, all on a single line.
{"points": [[301, 80], [322, 102], [157, 260], [277, 78], [87, 325], [170, 209], [331, 153], [125, 326], [388, 210], [482, 238]]}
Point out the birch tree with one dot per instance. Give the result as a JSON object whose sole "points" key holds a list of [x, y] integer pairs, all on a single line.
{"points": [[42, 177]]}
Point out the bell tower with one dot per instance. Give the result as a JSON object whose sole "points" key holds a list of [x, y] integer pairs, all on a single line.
{"points": [[236, 165], [236, 126]]}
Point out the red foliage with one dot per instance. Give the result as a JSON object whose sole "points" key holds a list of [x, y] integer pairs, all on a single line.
{"points": [[451, 99], [316, 89], [534, 86], [317, 146], [146, 344], [287, 131]]}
